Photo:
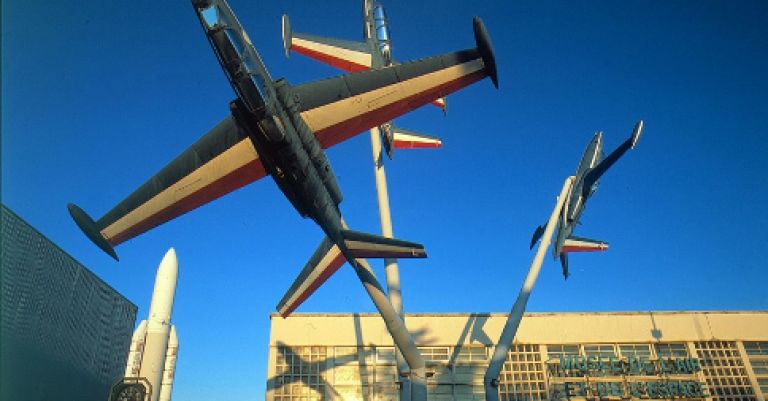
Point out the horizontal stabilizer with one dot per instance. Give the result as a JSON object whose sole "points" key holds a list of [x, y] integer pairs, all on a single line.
{"points": [[406, 139], [362, 245], [581, 244], [346, 55], [326, 260], [564, 264], [536, 236]]}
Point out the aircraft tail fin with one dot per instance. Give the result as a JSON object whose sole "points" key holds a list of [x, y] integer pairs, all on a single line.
{"points": [[326, 260], [363, 245], [581, 244]]}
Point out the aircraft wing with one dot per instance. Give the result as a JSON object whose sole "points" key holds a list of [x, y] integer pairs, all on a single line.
{"points": [[218, 163], [346, 55], [336, 109], [594, 174]]}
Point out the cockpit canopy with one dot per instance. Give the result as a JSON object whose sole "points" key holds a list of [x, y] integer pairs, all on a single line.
{"points": [[381, 28]]}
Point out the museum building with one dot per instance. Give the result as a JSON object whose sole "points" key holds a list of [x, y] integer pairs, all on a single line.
{"points": [[712, 356]]}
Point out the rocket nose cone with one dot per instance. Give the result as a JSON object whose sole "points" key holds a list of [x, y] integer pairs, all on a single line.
{"points": [[161, 306], [169, 260]]}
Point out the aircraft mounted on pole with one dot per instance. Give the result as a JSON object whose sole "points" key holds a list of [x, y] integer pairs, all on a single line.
{"points": [[278, 129], [352, 56], [591, 167]]}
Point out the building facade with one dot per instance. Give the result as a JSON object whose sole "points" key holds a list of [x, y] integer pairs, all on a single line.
{"points": [[707, 356], [64, 333]]}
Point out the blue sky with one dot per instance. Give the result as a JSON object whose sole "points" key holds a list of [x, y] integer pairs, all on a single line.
{"points": [[97, 97]]}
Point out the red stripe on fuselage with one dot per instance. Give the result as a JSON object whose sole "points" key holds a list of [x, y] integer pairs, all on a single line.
{"points": [[346, 129], [339, 63], [335, 264], [226, 184]]}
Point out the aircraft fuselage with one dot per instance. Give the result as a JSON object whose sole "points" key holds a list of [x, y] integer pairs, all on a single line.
{"points": [[577, 197], [267, 112]]}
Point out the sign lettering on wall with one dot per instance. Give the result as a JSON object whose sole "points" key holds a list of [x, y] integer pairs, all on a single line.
{"points": [[595, 377]]}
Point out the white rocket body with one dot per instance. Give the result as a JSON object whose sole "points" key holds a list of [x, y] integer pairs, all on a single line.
{"points": [[154, 344]]}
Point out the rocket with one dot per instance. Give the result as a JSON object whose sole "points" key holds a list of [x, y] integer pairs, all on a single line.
{"points": [[154, 345]]}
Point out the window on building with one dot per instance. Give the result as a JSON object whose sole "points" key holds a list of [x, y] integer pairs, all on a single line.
{"points": [[522, 377], [300, 373], [763, 383], [472, 353], [635, 350], [435, 354], [557, 351], [385, 355], [724, 371], [603, 351], [758, 358], [755, 348], [671, 350]]}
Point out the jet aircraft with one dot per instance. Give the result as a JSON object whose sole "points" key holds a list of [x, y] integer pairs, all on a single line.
{"points": [[591, 167], [352, 56], [278, 129]]}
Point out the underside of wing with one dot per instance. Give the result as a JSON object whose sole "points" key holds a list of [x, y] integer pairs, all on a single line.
{"points": [[220, 162], [406, 139], [343, 54], [339, 108], [581, 244]]}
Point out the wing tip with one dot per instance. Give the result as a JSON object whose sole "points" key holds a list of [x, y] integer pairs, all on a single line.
{"points": [[485, 48], [91, 230]]}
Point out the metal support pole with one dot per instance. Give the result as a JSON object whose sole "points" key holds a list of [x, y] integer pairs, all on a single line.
{"points": [[396, 327], [491, 379], [390, 265]]}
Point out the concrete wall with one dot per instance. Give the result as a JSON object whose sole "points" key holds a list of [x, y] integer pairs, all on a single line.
{"points": [[535, 328]]}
